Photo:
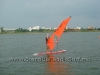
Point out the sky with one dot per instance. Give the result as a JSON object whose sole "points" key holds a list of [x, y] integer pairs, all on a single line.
{"points": [[49, 13]]}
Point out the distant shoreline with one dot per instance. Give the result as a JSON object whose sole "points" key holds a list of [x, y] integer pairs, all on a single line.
{"points": [[42, 32]]}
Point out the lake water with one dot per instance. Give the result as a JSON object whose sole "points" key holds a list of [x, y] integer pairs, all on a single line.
{"points": [[83, 54]]}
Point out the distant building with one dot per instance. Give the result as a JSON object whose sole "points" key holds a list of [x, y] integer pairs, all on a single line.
{"points": [[43, 28], [55, 28], [78, 28], [7, 29], [90, 27], [30, 28], [34, 28], [49, 28], [46, 28], [66, 27]]}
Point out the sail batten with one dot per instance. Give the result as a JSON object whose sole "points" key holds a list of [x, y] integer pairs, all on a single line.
{"points": [[58, 33]]}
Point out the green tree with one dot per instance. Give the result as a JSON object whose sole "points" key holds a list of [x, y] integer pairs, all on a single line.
{"points": [[98, 28], [2, 30]]}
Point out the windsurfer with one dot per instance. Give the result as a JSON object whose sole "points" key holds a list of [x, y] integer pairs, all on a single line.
{"points": [[47, 38]]}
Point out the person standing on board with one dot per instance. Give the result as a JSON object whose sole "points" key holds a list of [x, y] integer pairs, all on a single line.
{"points": [[47, 38]]}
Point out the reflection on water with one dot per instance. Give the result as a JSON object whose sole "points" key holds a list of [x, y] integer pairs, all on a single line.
{"points": [[56, 68]]}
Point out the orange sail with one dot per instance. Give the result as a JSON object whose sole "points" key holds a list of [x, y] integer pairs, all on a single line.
{"points": [[58, 33], [61, 28]]}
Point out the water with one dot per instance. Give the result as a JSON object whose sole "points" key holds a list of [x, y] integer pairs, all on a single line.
{"points": [[78, 45]]}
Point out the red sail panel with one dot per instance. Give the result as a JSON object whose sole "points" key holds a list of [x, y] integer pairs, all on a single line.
{"points": [[61, 28], [58, 33]]}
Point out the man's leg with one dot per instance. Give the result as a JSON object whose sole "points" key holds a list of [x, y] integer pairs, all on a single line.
{"points": [[47, 47]]}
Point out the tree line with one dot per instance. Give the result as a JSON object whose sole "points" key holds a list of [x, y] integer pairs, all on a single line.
{"points": [[48, 30]]}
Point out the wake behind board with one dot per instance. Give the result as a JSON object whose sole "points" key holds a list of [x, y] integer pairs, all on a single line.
{"points": [[46, 53]]}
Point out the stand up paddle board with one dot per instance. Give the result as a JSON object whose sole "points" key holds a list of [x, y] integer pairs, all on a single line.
{"points": [[46, 53]]}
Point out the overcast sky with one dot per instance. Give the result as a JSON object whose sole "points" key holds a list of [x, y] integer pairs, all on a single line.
{"points": [[49, 13]]}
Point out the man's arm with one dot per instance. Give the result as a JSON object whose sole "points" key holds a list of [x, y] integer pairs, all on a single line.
{"points": [[56, 41], [48, 37]]}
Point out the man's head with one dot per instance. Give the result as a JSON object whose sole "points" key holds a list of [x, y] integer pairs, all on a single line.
{"points": [[47, 34]]}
